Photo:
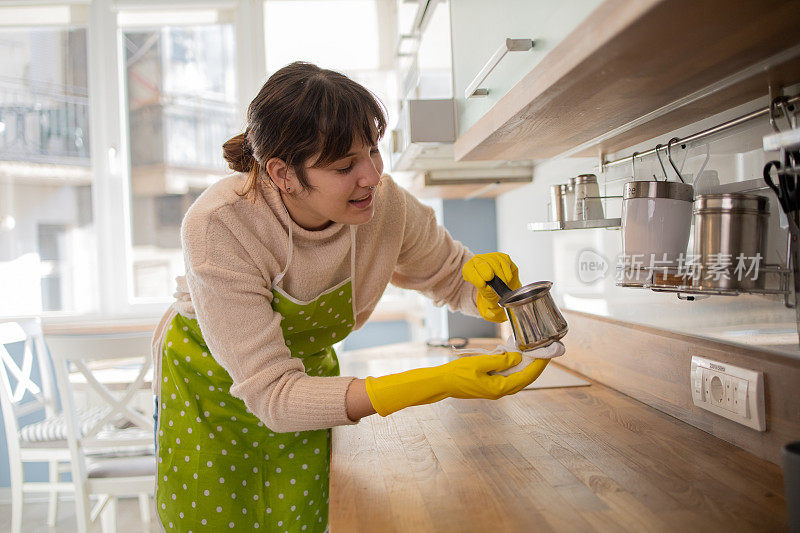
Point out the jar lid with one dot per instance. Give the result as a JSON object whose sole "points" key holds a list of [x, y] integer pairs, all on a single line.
{"points": [[586, 178], [732, 201], [671, 190]]}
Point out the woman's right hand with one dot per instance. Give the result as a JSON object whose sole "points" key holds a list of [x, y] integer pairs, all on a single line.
{"points": [[466, 377], [481, 269]]}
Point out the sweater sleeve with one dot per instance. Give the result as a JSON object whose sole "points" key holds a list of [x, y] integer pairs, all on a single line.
{"points": [[430, 259], [232, 300]]}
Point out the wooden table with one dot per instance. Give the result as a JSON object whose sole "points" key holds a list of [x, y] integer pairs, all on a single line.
{"points": [[572, 459]]}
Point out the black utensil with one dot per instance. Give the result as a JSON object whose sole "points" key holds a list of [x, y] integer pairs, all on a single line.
{"points": [[499, 286], [788, 199], [452, 342]]}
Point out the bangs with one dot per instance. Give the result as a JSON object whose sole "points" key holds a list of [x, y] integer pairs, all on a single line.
{"points": [[304, 112], [343, 116]]}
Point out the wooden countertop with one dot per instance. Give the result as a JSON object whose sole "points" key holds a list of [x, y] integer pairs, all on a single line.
{"points": [[571, 459]]}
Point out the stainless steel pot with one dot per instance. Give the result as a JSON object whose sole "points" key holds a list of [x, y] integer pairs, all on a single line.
{"points": [[535, 319], [727, 226]]}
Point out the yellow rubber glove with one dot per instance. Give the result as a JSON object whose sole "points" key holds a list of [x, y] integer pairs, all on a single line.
{"points": [[467, 377], [482, 268]]}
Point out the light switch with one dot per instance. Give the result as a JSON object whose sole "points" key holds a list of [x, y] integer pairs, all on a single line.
{"points": [[728, 404], [698, 391], [740, 397]]}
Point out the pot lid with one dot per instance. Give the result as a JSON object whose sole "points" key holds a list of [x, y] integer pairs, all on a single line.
{"points": [[586, 178], [732, 201], [671, 190]]}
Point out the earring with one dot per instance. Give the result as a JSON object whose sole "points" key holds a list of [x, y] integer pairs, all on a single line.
{"points": [[371, 186], [288, 189]]}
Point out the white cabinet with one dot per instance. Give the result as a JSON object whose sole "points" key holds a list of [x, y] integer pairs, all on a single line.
{"points": [[627, 72], [423, 136], [424, 58], [479, 28], [434, 56]]}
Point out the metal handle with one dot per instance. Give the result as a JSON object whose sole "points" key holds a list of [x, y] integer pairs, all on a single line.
{"points": [[499, 286], [511, 45]]}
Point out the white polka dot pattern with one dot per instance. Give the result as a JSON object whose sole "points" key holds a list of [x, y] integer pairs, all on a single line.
{"points": [[207, 480]]}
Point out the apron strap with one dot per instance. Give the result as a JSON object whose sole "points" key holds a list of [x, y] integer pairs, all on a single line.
{"points": [[279, 277], [353, 269]]}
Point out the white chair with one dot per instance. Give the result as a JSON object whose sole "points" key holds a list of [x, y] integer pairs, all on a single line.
{"points": [[23, 395], [95, 449]]}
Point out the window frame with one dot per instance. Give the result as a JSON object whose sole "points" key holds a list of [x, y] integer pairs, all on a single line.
{"points": [[110, 143]]}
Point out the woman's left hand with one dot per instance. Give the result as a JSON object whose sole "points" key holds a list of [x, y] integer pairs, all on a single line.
{"points": [[482, 268]]}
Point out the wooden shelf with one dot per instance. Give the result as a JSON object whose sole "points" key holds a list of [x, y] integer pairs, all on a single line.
{"points": [[635, 70]]}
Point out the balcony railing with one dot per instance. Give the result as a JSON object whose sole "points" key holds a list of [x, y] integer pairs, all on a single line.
{"points": [[182, 131], [43, 123], [49, 123]]}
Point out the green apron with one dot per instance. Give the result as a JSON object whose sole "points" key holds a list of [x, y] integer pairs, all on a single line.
{"points": [[219, 467]]}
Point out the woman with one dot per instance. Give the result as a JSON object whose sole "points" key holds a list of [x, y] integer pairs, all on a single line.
{"points": [[283, 260]]}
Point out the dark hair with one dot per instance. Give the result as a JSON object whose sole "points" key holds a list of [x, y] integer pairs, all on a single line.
{"points": [[302, 110]]}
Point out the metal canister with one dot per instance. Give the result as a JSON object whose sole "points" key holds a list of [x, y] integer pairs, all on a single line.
{"points": [[730, 240], [568, 200], [556, 203], [656, 220], [587, 198]]}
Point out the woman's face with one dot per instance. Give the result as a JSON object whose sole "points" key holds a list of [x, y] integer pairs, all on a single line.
{"points": [[340, 192]]}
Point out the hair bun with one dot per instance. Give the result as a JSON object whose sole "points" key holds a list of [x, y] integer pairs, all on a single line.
{"points": [[238, 153]]}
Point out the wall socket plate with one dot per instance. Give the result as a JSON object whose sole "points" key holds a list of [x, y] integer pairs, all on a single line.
{"points": [[729, 391]]}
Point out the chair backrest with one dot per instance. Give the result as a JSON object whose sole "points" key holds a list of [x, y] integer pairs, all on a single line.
{"points": [[84, 354], [26, 382]]}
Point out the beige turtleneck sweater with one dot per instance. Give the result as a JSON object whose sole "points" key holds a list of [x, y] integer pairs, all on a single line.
{"points": [[234, 248]]}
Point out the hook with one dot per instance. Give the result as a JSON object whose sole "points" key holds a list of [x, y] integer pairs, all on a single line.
{"points": [[633, 164], [664, 170], [671, 162], [779, 102]]}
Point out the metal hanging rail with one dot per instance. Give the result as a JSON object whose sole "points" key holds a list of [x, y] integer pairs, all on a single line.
{"points": [[705, 133]]}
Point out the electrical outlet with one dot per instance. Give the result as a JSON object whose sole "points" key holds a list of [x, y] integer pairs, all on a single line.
{"points": [[729, 391]]}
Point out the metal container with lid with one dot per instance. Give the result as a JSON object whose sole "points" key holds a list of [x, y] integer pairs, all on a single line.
{"points": [[556, 203], [730, 240], [535, 318], [656, 220], [587, 198]]}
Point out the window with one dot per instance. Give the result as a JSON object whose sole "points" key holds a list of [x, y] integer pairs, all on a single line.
{"points": [[181, 93], [340, 35], [107, 136], [349, 36], [47, 238]]}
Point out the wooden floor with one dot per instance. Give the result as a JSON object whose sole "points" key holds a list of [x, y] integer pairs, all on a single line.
{"points": [[34, 519]]}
